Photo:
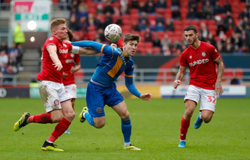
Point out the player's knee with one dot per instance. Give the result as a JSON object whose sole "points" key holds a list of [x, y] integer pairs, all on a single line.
{"points": [[56, 118], [70, 116], [207, 119], [188, 114], [99, 124]]}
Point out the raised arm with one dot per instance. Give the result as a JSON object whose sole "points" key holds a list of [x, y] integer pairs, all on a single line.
{"points": [[220, 70], [179, 76], [52, 53]]}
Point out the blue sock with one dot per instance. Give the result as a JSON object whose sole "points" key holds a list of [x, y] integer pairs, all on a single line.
{"points": [[126, 129], [90, 119]]}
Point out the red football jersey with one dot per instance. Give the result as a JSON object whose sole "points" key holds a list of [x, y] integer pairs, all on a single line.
{"points": [[49, 72], [201, 64], [70, 61]]}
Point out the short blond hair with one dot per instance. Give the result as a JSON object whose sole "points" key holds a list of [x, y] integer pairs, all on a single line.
{"points": [[56, 22], [132, 37]]}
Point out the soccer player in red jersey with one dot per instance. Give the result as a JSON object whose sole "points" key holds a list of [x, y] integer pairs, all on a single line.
{"points": [[70, 66], [205, 84], [55, 98]]}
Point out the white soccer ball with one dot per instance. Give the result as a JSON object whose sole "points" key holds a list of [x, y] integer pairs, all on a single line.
{"points": [[113, 32]]}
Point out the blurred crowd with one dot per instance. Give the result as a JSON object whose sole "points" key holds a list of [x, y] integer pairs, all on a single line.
{"points": [[156, 22]]}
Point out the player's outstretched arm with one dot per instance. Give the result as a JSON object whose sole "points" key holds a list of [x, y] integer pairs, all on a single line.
{"points": [[218, 87], [101, 48], [179, 76], [52, 53]]}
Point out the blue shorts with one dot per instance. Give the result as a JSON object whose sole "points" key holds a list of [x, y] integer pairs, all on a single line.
{"points": [[98, 96]]}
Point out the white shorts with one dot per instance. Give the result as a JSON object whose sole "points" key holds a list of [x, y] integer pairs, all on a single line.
{"points": [[52, 94], [71, 90], [208, 97]]}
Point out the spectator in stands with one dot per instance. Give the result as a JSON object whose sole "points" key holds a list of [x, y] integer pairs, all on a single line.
{"points": [[62, 4], [144, 17], [245, 22], [208, 7], [83, 4], [150, 7], [109, 8], [10, 70], [124, 6], [149, 52], [108, 19], [161, 4], [143, 25], [219, 47], [19, 36], [203, 32], [228, 49], [134, 4], [83, 23], [147, 35], [238, 29], [99, 9], [166, 40], [3, 58], [159, 26], [156, 41], [100, 32], [19, 56], [244, 13], [160, 18], [4, 47], [175, 4], [193, 4], [166, 49], [82, 12], [235, 81], [192, 15], [217, 8], [235, 39], [209, 13], [237, 50], [245, 42], [91, 23], [74, 23], [210, 39], [142, 7], [100, 22], [169, 25], [227, 7], [74, 5], [221, 29], [135, 26], [176, 13]]}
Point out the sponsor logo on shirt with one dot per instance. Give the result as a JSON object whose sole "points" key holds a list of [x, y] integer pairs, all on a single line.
{"points": [[69, 61], [63, 51], [200, 61]]}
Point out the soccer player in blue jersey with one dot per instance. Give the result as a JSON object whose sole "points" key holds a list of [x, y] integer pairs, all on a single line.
{"points": [[101, 89]]}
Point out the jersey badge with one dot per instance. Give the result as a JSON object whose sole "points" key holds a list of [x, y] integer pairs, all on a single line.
{"points": [[51, 38], [215, 50], [203, 54], [72, 55], [64, 45], [190, 57]]}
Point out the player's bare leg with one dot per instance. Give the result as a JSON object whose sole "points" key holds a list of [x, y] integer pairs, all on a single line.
{"points": [[205, 115]]}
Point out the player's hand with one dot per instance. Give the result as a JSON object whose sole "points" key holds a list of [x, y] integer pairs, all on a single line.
{"points": [[64, 75], [73, 70], [176, 83], [58, 66], [113, 45], [218, 89], [146, 96]]}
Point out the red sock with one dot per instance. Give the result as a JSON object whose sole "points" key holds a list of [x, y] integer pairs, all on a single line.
{"points": [[42, 118], [59, 129], [184, 128]]}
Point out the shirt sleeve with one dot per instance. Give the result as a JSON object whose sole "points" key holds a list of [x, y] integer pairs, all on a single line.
{"points": [[214, 53], [183, 61], [129, 81]]}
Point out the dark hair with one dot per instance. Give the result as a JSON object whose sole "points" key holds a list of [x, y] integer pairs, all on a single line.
{"points": [[56, 22], [188, 28], [70, 35], [132, 37]]}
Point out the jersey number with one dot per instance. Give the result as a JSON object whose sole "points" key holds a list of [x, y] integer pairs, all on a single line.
{"points": [[211, 99]]}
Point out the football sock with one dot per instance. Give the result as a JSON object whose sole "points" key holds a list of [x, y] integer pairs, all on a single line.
{"points": [[59, 129], [184, 128], [126, 144], [126, 129], [42, 118], [89, 118]]}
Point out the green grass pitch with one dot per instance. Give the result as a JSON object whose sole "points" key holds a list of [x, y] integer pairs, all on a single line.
{"points": [[155, 130]]}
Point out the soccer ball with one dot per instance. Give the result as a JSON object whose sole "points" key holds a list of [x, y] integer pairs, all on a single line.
{"points": [[113, 32]]}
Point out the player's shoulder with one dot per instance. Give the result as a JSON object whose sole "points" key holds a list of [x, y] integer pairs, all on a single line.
{"points": [[186, 50], [51, 40], [207, 44]]}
